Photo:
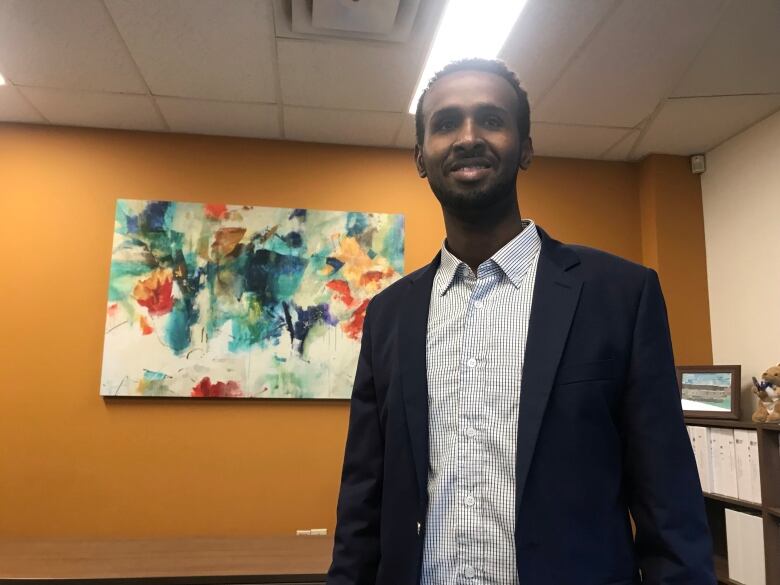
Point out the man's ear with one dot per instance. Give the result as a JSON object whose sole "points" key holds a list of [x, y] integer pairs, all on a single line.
{"points": [[418, 161], [526, 154]]}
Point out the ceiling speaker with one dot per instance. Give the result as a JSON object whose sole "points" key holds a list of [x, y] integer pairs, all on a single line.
{"points": [[698, 164]]}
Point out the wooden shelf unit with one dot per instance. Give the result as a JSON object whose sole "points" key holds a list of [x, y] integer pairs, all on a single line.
{"points": [[769, 508]]}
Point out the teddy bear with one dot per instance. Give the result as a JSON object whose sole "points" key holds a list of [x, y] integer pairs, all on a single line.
{"points": [[768, 392]]}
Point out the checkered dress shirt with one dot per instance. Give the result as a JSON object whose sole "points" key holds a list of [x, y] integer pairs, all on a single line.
{"points": [[477, 331]]}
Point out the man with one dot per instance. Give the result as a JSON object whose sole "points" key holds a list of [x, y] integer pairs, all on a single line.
{"points": [[516, 398]]}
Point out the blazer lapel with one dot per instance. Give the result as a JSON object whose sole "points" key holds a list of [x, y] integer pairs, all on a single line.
{"points": [[412, 330], [555, 298]]}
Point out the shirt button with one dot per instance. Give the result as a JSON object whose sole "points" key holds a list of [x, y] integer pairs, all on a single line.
{"points": [[471, 363], [479, 304], [469, 572], [471, 432], [469, 500]]}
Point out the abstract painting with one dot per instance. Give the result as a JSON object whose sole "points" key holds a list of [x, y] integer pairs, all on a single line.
{"points": [[232, 301]]}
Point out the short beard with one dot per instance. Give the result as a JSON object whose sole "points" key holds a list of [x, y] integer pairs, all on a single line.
{"points": [[479, 205]]}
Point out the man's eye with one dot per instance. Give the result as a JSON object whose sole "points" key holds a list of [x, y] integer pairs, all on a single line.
{"points": [[494, 122], [444, 125]]}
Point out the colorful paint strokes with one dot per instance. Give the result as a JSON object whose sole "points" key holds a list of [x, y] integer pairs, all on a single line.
{"points": [[229, 301]]}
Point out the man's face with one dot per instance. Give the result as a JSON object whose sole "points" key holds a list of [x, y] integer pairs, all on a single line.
{"points": [[472, 148]]}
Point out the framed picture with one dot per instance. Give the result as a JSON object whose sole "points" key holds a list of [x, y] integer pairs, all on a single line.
{"points": [[709, 391], [210, 301]]}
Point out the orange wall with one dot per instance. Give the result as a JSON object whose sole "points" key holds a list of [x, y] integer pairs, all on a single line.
{"points": [[72, 464], [673, 244]]}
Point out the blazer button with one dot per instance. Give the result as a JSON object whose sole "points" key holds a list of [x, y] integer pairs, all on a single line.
{"points": [[418, 528]]}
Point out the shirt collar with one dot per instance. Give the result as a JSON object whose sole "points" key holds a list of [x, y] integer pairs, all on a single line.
{"points": [[514, 259]]}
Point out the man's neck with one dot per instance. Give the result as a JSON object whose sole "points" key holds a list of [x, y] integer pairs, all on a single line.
{"points": [[473, 242]]}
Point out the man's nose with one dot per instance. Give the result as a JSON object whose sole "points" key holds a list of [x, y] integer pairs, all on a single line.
{"points": [[469, 137]]}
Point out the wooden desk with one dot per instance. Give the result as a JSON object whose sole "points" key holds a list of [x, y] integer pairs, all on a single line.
{"points": [[180, 561]]}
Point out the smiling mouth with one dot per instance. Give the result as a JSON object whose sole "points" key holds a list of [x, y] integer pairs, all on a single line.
{"points": [[469, 172]]}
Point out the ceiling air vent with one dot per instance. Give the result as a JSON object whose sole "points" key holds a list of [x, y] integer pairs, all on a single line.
{"points": [[379, 20], [361, 16]]}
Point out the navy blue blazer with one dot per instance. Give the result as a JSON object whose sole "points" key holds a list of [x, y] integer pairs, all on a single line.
{"points": [[600, 433]]}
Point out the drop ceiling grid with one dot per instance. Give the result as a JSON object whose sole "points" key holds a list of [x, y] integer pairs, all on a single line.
{"points": [[341, 126], [70, 45], [347, 74], [99, 54], [95, 109], [182, 51], [690, 125], [406, 136], [221, 118], [742, 54], [622, 148], [726, 65], [546, 37], [15, 108], [574, 141], [631, 63]]}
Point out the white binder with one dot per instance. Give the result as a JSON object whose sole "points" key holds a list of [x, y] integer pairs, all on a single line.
{"points": [[700, 441], [744, 470], [734, 545], [724, 476], [745, 547], [755, 470]]}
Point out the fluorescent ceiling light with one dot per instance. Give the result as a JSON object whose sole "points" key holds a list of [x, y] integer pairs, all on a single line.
{"points": [[468, 29], [2, 79]]}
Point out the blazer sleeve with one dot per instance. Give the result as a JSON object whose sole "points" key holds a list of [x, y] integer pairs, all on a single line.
{"points": [[673, 542], [356, 540]]}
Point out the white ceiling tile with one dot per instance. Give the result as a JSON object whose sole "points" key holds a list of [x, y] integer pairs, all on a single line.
{"points": [[631, 63], [341, 126], [741, 56], [348, 74], [208, 49], [221, 118], [622, 149], [65, 43], [14, 108], [693, 125], [406, 134], [574, 141], [98, 110], [545, 37]]}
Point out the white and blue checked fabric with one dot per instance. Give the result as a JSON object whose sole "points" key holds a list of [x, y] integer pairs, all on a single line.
{"points": [[476, 337]]}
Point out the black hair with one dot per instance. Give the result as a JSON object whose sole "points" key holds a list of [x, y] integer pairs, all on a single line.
{"points": [[489, 66]]}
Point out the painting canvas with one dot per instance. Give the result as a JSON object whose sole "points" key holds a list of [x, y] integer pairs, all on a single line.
{"points": [[235, 301], [707, 391]]}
